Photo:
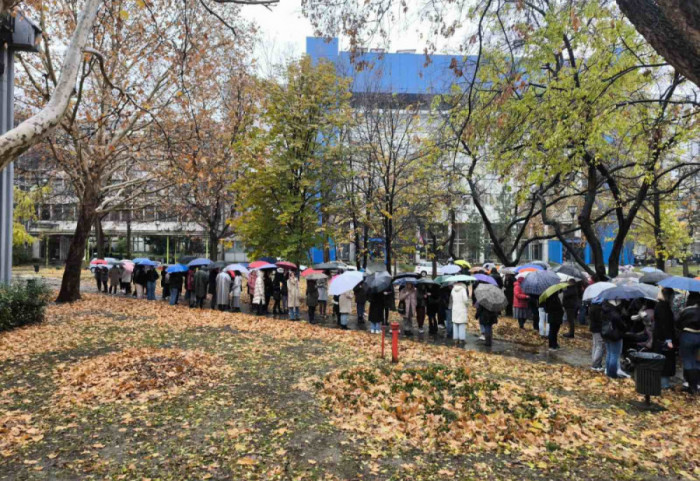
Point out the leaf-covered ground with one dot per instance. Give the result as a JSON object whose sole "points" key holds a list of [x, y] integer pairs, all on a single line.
{"points": [[116, 388]]}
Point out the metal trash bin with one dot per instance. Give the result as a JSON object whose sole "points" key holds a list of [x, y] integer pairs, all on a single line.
{"points": [[647, 373]]}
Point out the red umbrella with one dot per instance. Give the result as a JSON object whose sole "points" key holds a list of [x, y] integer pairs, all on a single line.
{"points": [[259, 264], [286, 265], [310, 271], [98, 261]]}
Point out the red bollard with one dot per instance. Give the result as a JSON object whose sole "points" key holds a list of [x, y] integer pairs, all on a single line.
{"points": [[383, 335], [394, 342]]}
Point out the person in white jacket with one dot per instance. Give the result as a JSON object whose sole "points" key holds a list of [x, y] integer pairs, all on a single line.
{"points": [[236, 289], [259, 293], [460, 305], [345, 306]]}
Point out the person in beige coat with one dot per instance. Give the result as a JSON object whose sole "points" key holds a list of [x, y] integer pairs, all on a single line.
{"points": [[345, 307], [408, 296], [293, 297]]}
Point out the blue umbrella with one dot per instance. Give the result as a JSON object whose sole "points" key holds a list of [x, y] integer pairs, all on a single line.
{"points": [[539, 281], [650, 269], [681, 283], [486, 279], [451, 269], [628, 292], [345, 282], [529, 266], [176, 268], [199, 262], [141, 260], [147, 262], [405, 280]]}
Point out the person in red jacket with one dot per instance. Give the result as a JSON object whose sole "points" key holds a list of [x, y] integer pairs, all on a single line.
{"points": [[520, 303]]}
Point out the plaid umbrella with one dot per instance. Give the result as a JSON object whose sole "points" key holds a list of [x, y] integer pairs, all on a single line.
{"points": [[653, 277], [538, 282], [490, 297]]}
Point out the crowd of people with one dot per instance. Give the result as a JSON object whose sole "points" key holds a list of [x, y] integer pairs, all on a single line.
{"points": [[617, 326]]}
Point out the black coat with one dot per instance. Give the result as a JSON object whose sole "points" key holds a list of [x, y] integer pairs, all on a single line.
{"points": [[176, 280], [689, 318], [212, 281], [613, 323], [509, 287], [595, 318], [663, 324], [554, 309], [376, 307], [572, 297], [360, 294], [486, 317], [497, 277]]}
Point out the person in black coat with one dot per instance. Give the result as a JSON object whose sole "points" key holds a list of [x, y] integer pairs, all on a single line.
{"points": [[595, 324], [533, 304], [433, 301], [614, 324], [571, 302], [360, 301], [376, 311], [486, 320], [555, 315], [497, 277], [277, 282], [508, 289], [176, 281], [689, 341], [212, 286], [664, 335], [388, 303]]}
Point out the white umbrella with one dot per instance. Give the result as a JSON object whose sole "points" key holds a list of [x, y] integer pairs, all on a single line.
{"points": [[237, 267], [594, 290], [344, 282], [451, 269]]}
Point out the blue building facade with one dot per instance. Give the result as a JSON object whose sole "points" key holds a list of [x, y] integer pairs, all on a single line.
{"points": [[410, 73]]}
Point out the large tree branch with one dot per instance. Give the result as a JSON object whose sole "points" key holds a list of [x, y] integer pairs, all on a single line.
{"points": [[35, 128]]}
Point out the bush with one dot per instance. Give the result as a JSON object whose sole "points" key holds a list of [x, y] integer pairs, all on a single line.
{"points": [[22, 304]]}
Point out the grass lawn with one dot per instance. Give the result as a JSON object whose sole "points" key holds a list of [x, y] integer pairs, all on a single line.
{"points": [[115, 388]]}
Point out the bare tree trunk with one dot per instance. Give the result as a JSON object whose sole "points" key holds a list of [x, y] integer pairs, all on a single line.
{"points": [[453, 234], [70, 284], [100, 238], [587, 227], [388, 233], [365, 245], [213, 245]]}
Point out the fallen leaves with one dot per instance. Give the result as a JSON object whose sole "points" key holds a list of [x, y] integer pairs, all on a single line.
{"points": [[17, 430], [135, 375]]}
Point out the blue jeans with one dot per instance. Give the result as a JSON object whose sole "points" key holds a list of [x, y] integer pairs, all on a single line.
{"points": [[174, 297], [293, 313], [360, 311], [375, 326], [344, 319], [448, 323], [151, 290], [612, 359], [689, 346]]}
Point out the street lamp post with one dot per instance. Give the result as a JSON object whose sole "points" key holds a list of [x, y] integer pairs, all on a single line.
{"points": [[17, 34]]}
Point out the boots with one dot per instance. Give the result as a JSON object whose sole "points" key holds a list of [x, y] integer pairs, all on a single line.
{"points": [[489, 340], [693, 378]]}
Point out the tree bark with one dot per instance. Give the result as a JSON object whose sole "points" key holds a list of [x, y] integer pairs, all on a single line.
{"points": [[587, 227], [672, 27], [99, 238], [128, 233], [16, 141], [70, 284], [453, 234], [658, 242], [213, 245]]}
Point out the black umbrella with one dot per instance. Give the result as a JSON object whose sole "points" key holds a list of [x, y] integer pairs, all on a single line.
{"points": [[271, 260], [570, 270], [653, 277], [426, 281], [184, 260], [490, 298], [377, 282], [217, 265], [540, 263], [406, 275]]}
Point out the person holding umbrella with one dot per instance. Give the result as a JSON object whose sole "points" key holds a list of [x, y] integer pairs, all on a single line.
{"points": [[408, 296], [460, 305], [284, 292], [311, 299], [189, 286], [433, 301], [127, 271], [345, 302], [236, 290], [267, 283], [277, 282], [115, 276], [164, 285], [571, 302], [689, 344], [520, 303], [491, 301], [176, 280], [664, 333], [509, 291], [595, 325], [555, 315], [258, 293], [360, 301], [293, 297], [223, 288], [388, 303], [201, 284], [614, 326], [322, 287], [376, 312]]}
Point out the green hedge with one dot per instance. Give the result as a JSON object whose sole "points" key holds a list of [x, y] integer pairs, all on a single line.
{"points": [[23, 303]]}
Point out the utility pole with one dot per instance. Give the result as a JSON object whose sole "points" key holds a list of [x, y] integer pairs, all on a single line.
{"points": [[17, 34]]}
